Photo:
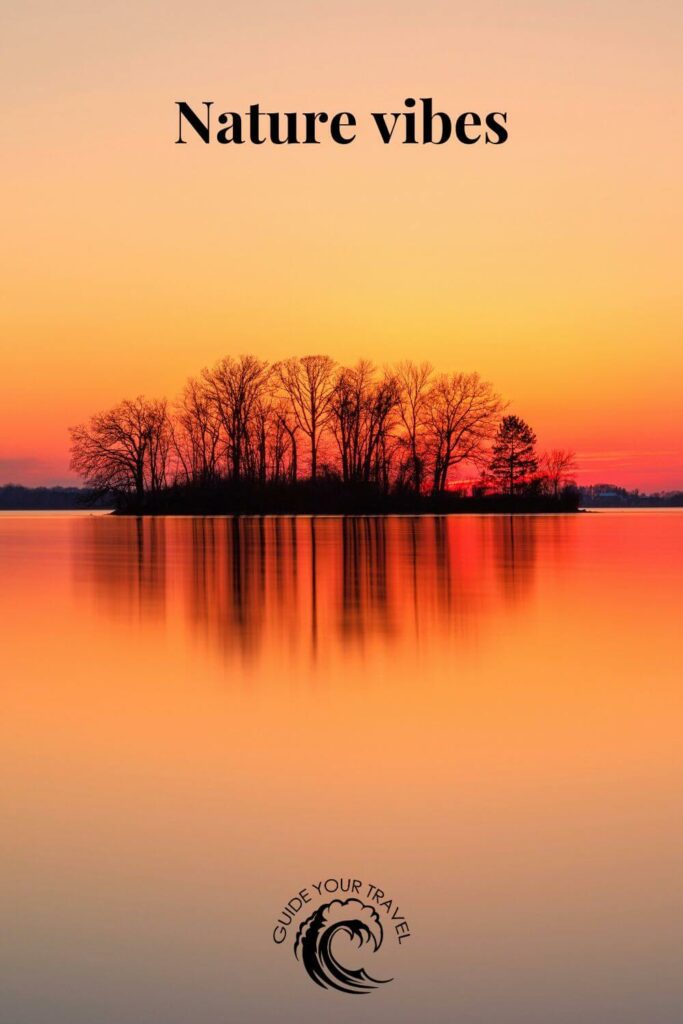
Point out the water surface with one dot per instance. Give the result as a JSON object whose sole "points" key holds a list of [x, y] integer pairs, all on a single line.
{"points": [[480, 714]]}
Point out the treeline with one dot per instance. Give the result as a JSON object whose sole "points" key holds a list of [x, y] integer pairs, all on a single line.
{"points": [[247, 425], [613, 496], [15, 497]]}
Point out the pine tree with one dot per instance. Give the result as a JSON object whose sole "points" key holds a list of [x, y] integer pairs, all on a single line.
{"points": [[513, 457]]}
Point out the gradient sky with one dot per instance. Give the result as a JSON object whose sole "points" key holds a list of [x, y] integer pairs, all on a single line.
{"points": [[550, 264]]}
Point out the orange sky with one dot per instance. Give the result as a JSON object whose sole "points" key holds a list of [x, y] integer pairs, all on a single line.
{"points": [[549, 264]]}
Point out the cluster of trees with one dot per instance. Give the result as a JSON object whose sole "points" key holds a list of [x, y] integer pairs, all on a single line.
{"points": [[246, 420], [514, 466]]}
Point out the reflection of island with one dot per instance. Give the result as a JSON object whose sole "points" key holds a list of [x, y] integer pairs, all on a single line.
{"points": [[242, 582], [127, 567]]}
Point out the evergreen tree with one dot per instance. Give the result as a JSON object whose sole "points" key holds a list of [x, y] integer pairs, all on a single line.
{"points": [[513, 456]]}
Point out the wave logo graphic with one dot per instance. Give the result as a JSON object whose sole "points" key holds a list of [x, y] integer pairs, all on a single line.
{"points": [[315, 938]]}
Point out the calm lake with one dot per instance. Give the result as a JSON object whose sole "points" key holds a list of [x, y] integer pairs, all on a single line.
{"points": [[481, 715]]}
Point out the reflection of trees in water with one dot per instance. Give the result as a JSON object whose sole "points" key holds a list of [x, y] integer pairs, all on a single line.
{"points": [[364, 589], [514, 543], [300, 585], [222, 580], [126, 564]]}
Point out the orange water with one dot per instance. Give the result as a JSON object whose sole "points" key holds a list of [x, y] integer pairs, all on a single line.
{"points": [[481, 715]]}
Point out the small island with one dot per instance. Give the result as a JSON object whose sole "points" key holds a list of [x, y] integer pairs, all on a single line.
{"points": [[307, 436]]}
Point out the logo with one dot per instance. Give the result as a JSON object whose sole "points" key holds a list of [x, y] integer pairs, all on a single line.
{"points": [[335, 927]]}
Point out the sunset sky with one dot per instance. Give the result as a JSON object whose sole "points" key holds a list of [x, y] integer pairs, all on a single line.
{"points": [[550, 264]]}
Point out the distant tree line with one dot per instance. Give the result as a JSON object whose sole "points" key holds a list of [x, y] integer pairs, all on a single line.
{"points": [[613, 496], [246, 422], [16, 497]]}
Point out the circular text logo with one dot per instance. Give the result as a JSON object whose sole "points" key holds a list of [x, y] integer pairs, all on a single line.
{"points": [[336, 928]]}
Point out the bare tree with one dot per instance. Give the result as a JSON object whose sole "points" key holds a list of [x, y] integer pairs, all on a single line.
{"points": [[382, 413], [234, 386], [285, 441], [413, 382], [196, 433], [308, 385], [264, 430], [159, 441], [349, 420], [558, 465], [281, 442], [363, 411], [462, 410], [124, 450]]}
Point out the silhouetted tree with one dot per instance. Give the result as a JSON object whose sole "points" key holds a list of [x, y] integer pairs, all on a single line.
{"points": [[286, 457], [308, 384], [234, 387], [196, 434], [513, 457], [462, 410], [362, 409], [124, 450], [413, 384], [281, 442], [557, 466], [382, 419]]}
